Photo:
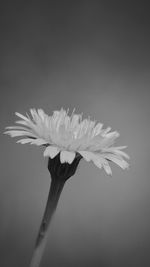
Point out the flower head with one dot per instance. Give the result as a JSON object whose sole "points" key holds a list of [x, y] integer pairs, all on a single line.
{"points": [[69, 136]]}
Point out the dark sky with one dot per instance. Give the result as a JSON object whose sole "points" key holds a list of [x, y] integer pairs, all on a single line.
{"points": [[95, 56]]}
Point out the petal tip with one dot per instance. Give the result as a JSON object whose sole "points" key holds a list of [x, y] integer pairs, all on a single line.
{"points": [[51, 151]]}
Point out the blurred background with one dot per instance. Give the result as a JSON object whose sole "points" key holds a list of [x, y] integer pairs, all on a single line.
{"points": [[94, 56]]}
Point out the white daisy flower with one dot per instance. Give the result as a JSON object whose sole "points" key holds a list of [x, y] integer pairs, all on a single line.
{"points": [[66, 139], [69, 136]]}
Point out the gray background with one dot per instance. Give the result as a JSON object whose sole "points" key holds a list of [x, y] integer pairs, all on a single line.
{"points": [[92, 55]]}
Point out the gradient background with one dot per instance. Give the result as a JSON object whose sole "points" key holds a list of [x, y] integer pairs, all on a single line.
{"points": [[95, 56]]}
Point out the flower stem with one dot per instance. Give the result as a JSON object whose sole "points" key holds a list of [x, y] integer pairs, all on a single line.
{"points": [[54, 194]]}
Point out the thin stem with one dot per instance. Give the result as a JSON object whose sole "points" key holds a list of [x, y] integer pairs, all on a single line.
{"points": [[54, 194]]}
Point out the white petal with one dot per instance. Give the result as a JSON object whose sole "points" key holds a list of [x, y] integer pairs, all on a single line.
{"points": [[112, 134], [118, 147], [26, 123], [107, 140], [41, 114], [104, 132], [116, 151], [25, 141], [98, 163], [118, 160], [36, 118], [21, 116], [17, 128], [107, 167], [39, 142], [101, 162], [14, 133], [122, 154], [97, 160], [74, 121], [97, 129], [87, 155], [51, 151], [67, 156]]}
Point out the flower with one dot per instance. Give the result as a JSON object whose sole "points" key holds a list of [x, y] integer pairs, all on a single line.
{"points": [[70, 136]]}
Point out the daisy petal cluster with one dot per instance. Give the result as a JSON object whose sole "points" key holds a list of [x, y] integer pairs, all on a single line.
{"points": [[69, 135]]}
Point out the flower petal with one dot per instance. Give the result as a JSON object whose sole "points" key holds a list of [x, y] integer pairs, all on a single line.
{"points": [[67, 156], [15, 133], [51, 151], [98, 162], [25, 141], [101, 162], [97, 129], [112, 134], [21, 116], [74, 121], [107, 167], [116, 151], [39, 142], [118, 160], [26, 123], [105, 131], [17, 128], [41, 113], [87, 155]]}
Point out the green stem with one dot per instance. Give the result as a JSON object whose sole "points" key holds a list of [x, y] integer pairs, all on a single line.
{"points": [[54, 194]]}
